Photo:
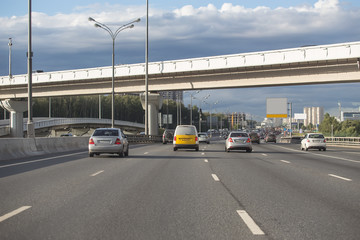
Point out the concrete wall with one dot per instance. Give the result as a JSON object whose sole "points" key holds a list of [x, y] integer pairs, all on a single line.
{"points": [[13, 148]]}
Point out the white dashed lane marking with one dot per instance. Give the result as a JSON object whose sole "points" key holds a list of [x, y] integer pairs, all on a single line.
{"points": [[254, 228], [13, 213], [97, 173], [339, 177], [215, 177]]}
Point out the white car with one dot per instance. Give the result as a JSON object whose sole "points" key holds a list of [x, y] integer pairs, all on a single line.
{"points": [[204, 137], [313, 141]]}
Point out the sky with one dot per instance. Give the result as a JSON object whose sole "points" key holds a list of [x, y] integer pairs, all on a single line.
{"points": [[64, 39]]}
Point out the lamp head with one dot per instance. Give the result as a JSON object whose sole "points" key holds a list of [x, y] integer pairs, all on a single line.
{"points": [[91, 19]]}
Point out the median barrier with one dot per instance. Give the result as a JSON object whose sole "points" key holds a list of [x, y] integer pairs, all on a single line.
{"points": [[14, 148]]}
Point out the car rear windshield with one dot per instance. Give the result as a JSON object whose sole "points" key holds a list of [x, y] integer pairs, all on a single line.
{"points": [[238, 135], [316, 136], [185, 131], [106, 133]]}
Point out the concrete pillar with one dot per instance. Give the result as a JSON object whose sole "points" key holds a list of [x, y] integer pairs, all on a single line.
{"points": [[155, 104], [16, 109]]}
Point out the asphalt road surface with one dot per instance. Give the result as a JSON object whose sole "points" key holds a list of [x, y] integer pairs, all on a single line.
{"points": [[275, 192]]}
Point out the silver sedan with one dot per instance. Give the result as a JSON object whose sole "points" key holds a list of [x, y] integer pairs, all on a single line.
{"points": [[108, 140], [238, 141]]}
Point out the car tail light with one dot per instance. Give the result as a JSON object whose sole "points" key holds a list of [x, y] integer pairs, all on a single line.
{"points": [[308, 140], [324, 140], [230, 140], [91, 141], [174, 138], [196, 138], [248, 140], [118, 141]]}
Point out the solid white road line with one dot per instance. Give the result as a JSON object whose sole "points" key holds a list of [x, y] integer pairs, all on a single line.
{"points": [[97, 173], [40, 160], [284, 161], [145, 153], [342, 178], [215, 177], [13, 213], [254, 228]]}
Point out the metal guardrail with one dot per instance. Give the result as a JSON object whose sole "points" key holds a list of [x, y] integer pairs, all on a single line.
{"points": [[343, 140], [144, 139], [330, 140]]}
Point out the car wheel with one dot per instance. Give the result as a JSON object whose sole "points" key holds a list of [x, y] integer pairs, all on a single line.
{"points": [[91, 154], [127, 152], [121, 154], [249, 150], [164, 142], [306, 149], [324, 149], [197, 149], [319, 149], [175, 148]]}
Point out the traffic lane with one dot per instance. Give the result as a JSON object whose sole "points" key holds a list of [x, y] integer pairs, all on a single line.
{"points": [[343, 163], [11, 167], [287, 202], [154, 194]]}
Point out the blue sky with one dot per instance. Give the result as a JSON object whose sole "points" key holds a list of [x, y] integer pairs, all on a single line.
{"points": [[64, 39]]}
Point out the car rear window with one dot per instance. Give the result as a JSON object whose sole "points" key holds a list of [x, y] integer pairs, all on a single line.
{"points": [[106, 133], [186, 130], [239, 135], [316, 136]]}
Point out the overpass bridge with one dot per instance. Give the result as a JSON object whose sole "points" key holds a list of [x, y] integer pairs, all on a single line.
{"points": [[53, 127], [335, 63]]}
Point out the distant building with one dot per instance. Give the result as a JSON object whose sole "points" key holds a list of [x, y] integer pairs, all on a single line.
{"points": [[350, 115], [314, 115]]}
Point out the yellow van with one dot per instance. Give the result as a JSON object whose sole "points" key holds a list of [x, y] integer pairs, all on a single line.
{"points": [[186, 136]]}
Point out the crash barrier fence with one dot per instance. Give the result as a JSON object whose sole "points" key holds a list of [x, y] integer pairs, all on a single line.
{"points": [[343, 140], [355, 141]]}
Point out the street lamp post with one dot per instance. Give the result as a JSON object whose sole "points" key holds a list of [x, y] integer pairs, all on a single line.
{"points": [[191, 97], [113, 36]]}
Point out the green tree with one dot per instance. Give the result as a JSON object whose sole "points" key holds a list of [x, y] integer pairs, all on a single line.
{"points": [[329, 125]]}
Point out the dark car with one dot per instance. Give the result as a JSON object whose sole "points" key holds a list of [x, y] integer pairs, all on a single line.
{"points": [[270, 138], [255, 137], [168, 136]]}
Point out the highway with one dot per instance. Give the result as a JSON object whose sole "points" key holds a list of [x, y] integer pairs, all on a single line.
{"points": [[275, 192]]}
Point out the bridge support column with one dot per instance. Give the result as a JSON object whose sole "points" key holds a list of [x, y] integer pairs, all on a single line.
{"points": [[155, 104], [16, 109]]}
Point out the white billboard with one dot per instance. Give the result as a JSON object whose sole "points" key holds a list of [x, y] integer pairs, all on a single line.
{"points": [[276, 108], [299, 116]]}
